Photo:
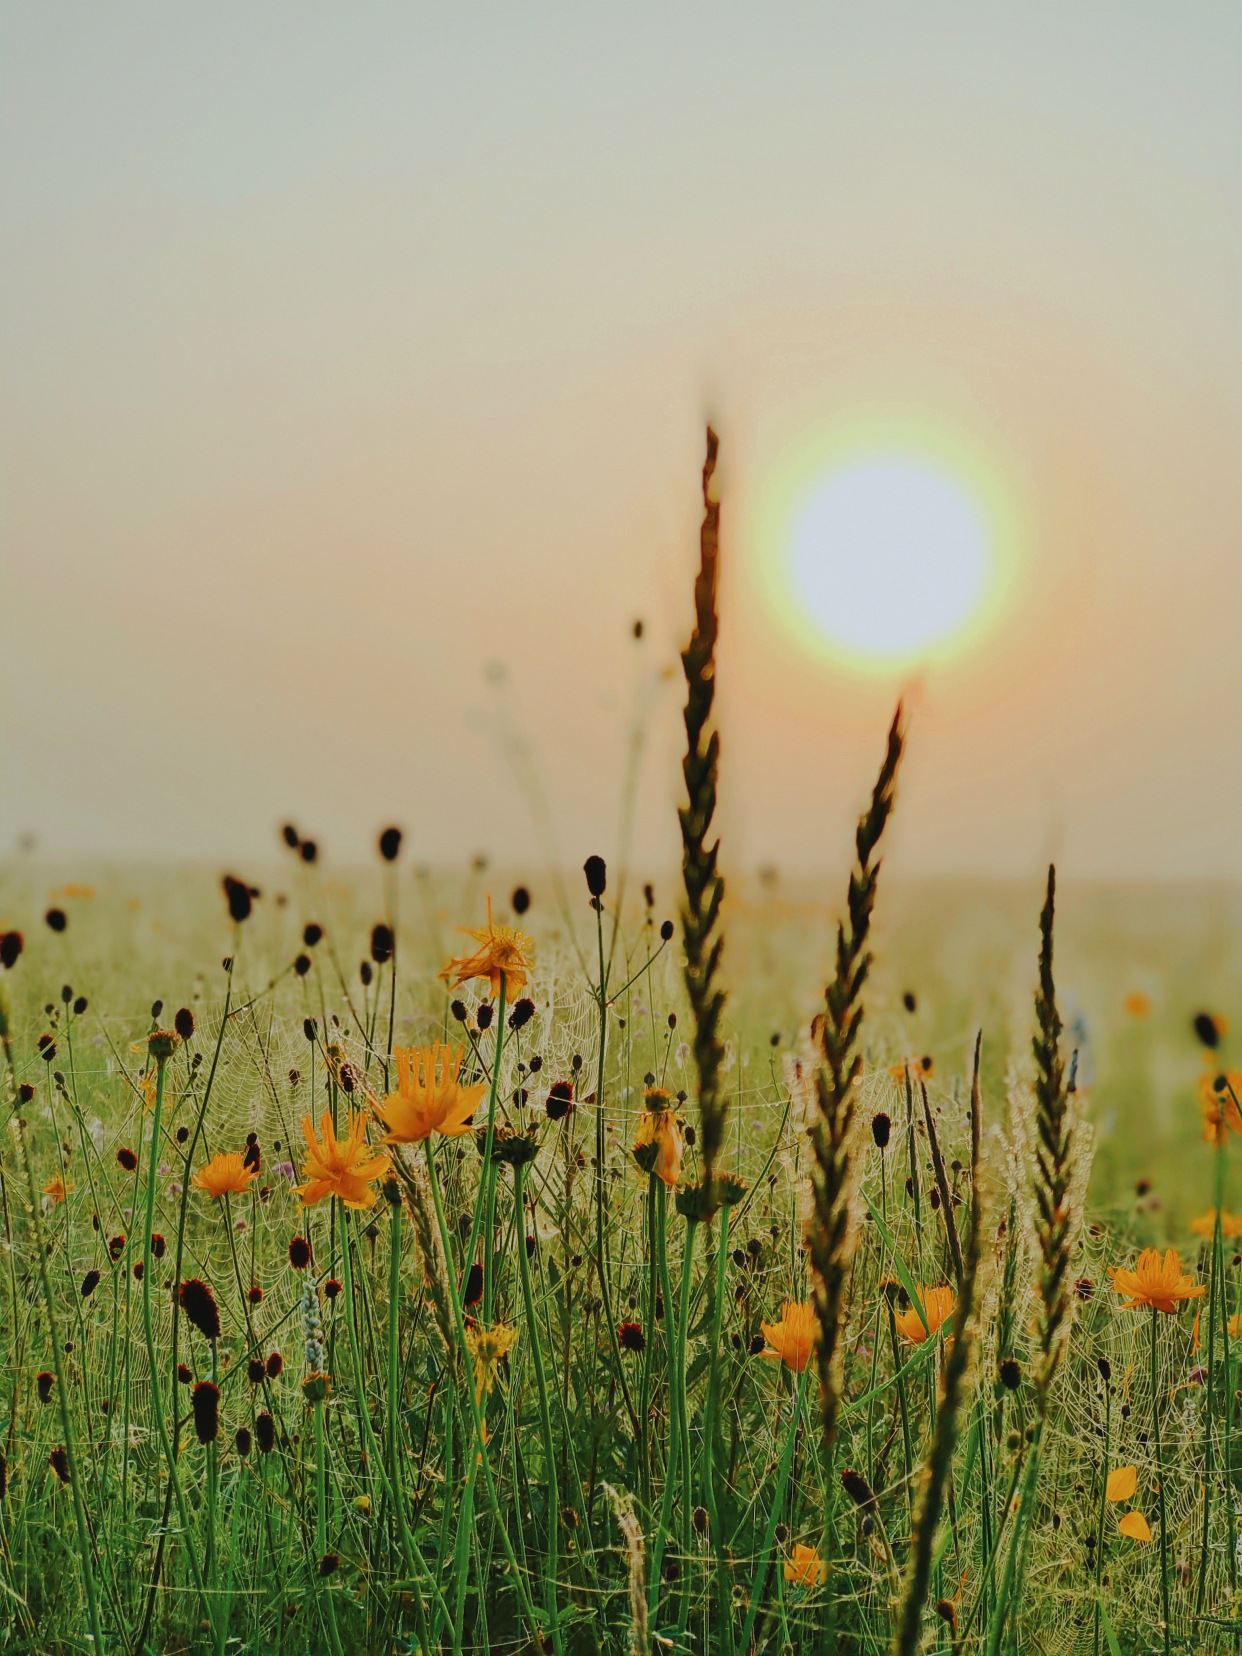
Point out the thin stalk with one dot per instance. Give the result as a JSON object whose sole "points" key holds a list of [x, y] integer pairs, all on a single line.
{"points": [[723, 1608], [545, 1417], [1164, 1528], [683, 1411], [148, 1329], [85, 1548], [1099, 1534], [394, 1411], [1217, 1287], [480, 1440], [674, 1412], [322, 1591], [769, 1540], [489, 1166]]}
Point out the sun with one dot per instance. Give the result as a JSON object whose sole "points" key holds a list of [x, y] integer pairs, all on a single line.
{"points": [[888, 558]]}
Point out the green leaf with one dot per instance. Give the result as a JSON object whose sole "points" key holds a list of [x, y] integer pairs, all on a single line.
{"points": [[903, 1276]]}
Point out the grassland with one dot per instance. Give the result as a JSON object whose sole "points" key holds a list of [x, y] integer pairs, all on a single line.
{"points": [[303, 1548]]}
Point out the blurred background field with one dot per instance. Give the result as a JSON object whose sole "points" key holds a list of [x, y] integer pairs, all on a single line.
{"points": [[1136, 961]]}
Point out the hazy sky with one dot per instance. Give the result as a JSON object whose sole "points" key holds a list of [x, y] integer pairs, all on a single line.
{"points": [[355, 366]]}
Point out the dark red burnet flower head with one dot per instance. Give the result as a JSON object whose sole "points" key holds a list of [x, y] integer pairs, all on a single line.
{"points": [[116, 1246], [58, 1460], [199, 1304], [275, 1363], [89, 1284], [127, 1159], [254, 1294], [560, 1100], [265, 1432], [205, 1401], [630, 1337], [331, 1288], [158, 1245], [255, 1370], [43, 1386], [184, 1376], [183, 1023], [11, 945], [252, 1156], [299, 1253], [473, 1291]]}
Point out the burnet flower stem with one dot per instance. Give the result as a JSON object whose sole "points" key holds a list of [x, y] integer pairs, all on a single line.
{"points": [[148, 1329], [1217, 1288], [476, 1416], [394, 1412], [85, 1547], [488, 1204], [723, 1607], [545, 1417], [322, 1591], [778, 1501], [1164, 1528], [660, 1537]]}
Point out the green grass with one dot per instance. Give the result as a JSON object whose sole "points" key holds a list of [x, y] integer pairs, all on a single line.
{"points": [[397, 1494]]}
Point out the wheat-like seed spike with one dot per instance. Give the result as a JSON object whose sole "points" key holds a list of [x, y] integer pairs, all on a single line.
{"points": [[704, 886], [831, 1232]]}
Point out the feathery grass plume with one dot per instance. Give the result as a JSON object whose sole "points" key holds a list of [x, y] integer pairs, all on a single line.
{"points": [[832, 1178], [704, 885], [1054, 1162], [632, 1535], [944, 1438]]}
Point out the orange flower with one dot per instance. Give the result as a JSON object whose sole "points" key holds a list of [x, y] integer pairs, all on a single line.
{"points": [[1122, 1482], [1235, 1328], [504, 955], [428, 1098], [1137, 1004], [660, 1142], [226, 1171], [339, 1167], [794, 1338], [1218, 1108], [806, 1568], [1135, 1526], [920, 1069], [57, 1189], [1205, 1224], [1162, 1284], [937, 1306]]}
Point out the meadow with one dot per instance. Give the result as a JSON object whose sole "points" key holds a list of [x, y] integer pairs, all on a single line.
{"points": [[655, 1276]]}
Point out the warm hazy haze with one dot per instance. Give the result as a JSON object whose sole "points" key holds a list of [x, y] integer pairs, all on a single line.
{"points": [[348, 350]]}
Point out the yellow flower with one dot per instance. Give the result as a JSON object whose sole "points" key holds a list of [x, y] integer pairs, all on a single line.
{"points": [[226, 1171], [487, 1346], [794, 1338], [339, 1167], [504, 955], [1205, 1223], [1135, 1526], [660, 1142], [1235, 1327], [1162, 1284], [937, 1306], [428, 1098], [806, 1568], [919, 1069], [1218, 1108], [1122, 1482], [57, 1189]]}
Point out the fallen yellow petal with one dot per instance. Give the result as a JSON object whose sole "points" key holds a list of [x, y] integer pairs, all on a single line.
{"points": [[1135, 1526], [1122, 1482]]}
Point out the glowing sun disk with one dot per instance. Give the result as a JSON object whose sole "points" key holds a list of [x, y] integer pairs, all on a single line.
{"points": [[888, 557]]}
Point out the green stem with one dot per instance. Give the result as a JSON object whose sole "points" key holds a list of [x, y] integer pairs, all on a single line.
{"points": [[148, 1328], [322, 1591], [1164, 1536], [545, 1417], [489, 1167], [480, 1441], [394, 1411], [1021, 1525], [85, 1548], [683, 1412], [723, 1607], [674, 1412], [1099, 1534], [769, 1539]]}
